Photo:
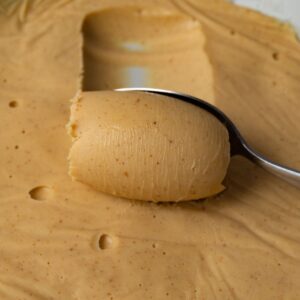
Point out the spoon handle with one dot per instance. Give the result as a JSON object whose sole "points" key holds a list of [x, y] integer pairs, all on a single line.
{"points": [[288, 174]]}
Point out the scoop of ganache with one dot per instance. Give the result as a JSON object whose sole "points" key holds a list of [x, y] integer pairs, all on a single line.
{"points": [[147, 147]]}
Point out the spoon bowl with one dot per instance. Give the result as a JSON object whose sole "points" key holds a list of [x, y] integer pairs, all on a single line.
{"points": [[238, 145]]}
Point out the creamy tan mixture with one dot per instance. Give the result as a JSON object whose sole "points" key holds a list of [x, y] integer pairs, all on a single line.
{"points": [[147, 147], [62, 239]]}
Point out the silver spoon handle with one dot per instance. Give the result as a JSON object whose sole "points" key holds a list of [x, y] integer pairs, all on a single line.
{"points": [[288, 174]]}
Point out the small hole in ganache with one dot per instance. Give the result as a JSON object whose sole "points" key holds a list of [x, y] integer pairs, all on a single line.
{"points": [[13, 104], [41, 193], [105, 242], [275, 55], [74, 128]]}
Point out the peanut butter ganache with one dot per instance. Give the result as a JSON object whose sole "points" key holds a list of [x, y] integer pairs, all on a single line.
{"points": [[63, 238]]}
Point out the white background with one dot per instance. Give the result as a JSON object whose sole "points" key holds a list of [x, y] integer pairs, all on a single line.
{"points": [[286, 10]]}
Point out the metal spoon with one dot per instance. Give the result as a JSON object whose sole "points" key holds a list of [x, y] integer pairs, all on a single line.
{"points": [[238, 146]]}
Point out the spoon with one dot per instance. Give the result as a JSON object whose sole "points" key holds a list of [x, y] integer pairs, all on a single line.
{"points": [[238, 145]]}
